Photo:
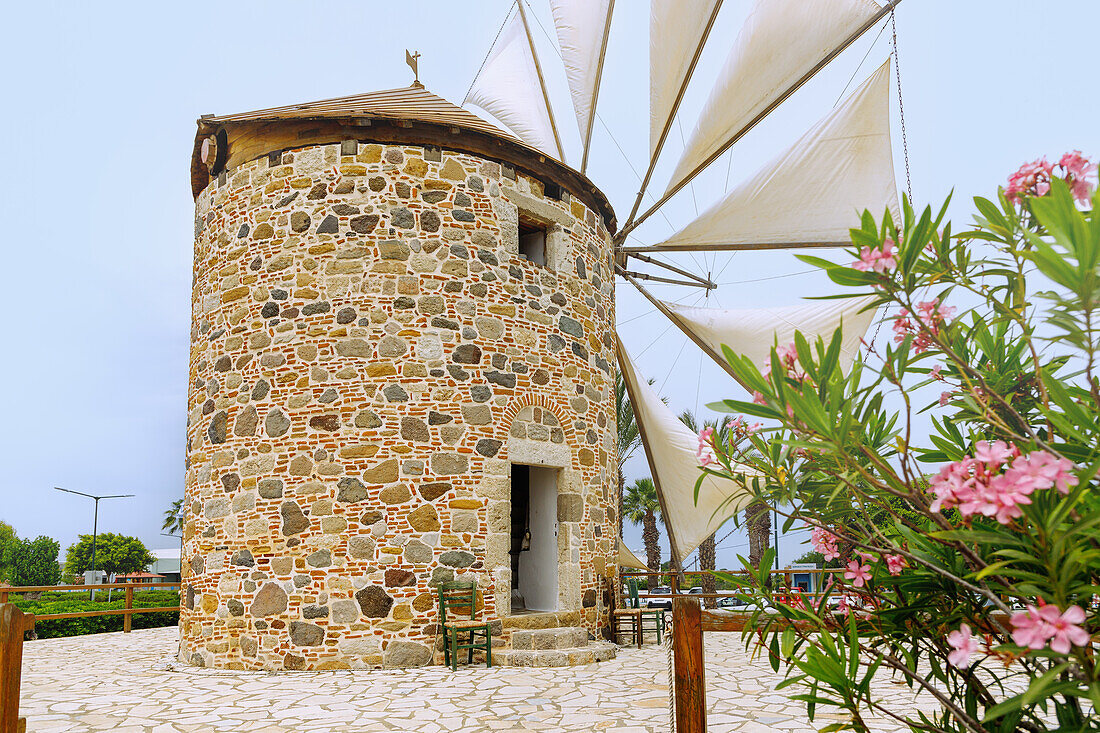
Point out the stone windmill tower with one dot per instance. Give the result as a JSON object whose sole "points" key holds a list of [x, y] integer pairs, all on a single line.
{"points": [[401, 372]]}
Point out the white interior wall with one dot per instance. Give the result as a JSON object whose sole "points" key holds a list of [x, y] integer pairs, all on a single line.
{"points": [[538, 567]]}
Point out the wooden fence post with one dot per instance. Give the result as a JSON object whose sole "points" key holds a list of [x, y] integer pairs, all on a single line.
{"points": [[13, 623], [127, 619], [688, 671]]}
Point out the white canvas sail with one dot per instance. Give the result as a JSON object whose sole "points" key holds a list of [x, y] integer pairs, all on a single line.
{"points": [[670, 446], [676, 30], [509, 89], [781, 41], [627, 558], [752, 332], [816, 190], [582, 34]]}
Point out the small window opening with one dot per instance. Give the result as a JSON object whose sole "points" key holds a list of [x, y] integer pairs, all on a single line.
{"points": [[532, 242]]}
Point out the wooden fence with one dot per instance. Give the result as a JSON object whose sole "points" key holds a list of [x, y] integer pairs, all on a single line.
{"points": [[127, 611], [690, 620], [14, 624]]}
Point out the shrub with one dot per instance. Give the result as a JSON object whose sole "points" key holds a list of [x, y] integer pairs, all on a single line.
{"points": [[971, 560], [76, 601]]}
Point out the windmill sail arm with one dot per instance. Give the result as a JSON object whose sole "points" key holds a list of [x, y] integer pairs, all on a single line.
{"points": [[542, 80], [753, 332], [730, 247], [583, 27], [812, 193], [682, 179], [658, 10], [634, 394], [509, 87], [670, 448], [662, 307]]}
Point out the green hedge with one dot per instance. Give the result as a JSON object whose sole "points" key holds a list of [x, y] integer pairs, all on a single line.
{"points": [[75, 601]]}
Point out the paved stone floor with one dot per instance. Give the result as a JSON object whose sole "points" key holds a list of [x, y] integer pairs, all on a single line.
{"points": [[127, 683]]}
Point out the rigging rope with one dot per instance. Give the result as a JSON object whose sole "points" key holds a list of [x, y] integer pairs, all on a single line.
{"points": [[671, 678], [490, 51], [904, 139], [901, 108], [601, 119]]}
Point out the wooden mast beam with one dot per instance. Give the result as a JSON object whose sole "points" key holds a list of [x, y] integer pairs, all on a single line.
{"points": [[748, 246], [596, 89], [659, 305], [706, 282], [668, 280], [672, 114], [632, 223], [542, 81]]}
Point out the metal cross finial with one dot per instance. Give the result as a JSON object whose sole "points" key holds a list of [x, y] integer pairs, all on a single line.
{"points": [[412, 60]]}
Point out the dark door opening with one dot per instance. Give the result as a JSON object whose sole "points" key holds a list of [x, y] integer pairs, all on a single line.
{"points": [[534, 538]]}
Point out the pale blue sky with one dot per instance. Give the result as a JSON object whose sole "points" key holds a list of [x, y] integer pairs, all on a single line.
{"points": [[102, 101]]}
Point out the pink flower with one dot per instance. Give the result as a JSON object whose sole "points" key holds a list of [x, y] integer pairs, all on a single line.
{"points": [[1029, 629], [963, 644], [930, 315], [1077, 169], [703, 452], [825, 542], [945, 397], [1042, 470], [994, 454], [895, 564], [758, 398], [1065, 627], [787, 354], [935, 373], [878, 260], [858, 574], [988, 485], [1032, 179], [1035, 626]]}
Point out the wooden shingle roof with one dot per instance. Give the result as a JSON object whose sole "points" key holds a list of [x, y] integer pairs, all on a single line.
{"points": [[409, 115], [407, 103]]}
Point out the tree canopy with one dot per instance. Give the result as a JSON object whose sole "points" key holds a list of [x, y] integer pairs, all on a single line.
{"points": [[115, 553], [7, 546], [34, 562]]}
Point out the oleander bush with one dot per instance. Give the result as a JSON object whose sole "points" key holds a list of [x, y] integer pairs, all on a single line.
{"points": [[970, 555]]}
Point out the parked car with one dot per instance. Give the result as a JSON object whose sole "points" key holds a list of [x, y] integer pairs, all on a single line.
{"points": [[665, 603], [729, 602]]}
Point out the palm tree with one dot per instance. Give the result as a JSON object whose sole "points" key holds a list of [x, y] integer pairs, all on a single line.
{"points": [[708, 550], [758, 519], [640, 506], [173, 518], [628, 434]]}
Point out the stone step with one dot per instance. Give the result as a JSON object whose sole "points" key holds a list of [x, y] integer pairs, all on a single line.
{"points": [[596, 651], [570, 637]]}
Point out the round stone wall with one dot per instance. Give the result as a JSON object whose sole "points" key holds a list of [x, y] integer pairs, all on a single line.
{"points": [[369, 355]]}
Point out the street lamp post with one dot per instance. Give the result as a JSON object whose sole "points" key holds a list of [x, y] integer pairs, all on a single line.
{"points": [[95, 516]]}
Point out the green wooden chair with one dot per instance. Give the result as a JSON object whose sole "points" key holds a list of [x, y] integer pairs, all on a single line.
{"points": [[459, 600], [655, 615]]}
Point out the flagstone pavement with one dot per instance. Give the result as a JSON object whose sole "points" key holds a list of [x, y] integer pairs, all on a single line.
{"points": [[128, 683]]}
